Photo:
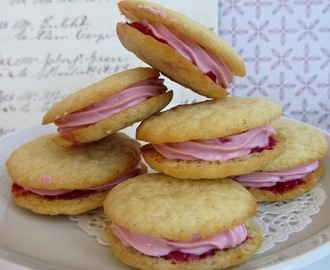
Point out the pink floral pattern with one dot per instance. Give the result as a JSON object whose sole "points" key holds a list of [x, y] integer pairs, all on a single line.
{"points": [[285, 46]]}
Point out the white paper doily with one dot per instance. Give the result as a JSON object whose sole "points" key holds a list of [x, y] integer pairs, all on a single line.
{"points": [[277, 220]]}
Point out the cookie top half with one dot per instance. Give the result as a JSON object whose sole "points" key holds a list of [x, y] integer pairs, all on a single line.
{"points": [[137, 10], [304, 144], [42, 164], [162, 206], [208, 119], [98, 91]]}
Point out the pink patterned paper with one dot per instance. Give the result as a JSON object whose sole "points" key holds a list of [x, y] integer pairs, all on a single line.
{"points": [[286, 48]]}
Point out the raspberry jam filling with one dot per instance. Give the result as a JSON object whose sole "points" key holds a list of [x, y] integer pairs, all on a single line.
{"points": [[179, 256], [282, 187], [19, 191], [71, 138], [270, 146], [145, 30], [186, 257]]}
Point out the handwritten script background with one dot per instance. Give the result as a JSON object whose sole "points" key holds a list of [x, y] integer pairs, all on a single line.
{"points": [[50, 48]]}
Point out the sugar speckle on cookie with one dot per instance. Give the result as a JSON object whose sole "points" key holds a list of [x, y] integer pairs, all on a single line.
{"points": [[46, 179]]}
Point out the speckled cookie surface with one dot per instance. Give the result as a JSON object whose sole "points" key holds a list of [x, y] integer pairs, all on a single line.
{"points": [[165, 58], [304, 144], [197, 169], [264, 195], [220, 260], [208, 119], [162, 206], [42, 164]]}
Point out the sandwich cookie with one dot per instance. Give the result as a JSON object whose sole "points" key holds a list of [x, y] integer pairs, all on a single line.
{"points": [[295, 171], [107, 106], [160, 222], [51, 179], [213, 138], [184, 50]]}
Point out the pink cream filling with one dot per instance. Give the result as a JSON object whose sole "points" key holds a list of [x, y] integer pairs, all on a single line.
{"points": [[269, 179], [153, 246], [206, 61], [100, 110], [107, 186], [219, 149]]}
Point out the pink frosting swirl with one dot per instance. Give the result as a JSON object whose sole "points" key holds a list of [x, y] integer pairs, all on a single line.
{"points": [[107, 186], [219, 149], [269, 179], [100, 110], [153, 246], [206, 61]]}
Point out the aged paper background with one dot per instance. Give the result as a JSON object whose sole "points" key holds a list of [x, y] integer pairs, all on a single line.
{"points": [[50, 48]]}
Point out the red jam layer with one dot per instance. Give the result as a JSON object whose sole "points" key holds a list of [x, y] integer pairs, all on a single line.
{"points": [[270, 146], [145, 30], [19, 191], [70, 138], [186, 257], [282, 187]]}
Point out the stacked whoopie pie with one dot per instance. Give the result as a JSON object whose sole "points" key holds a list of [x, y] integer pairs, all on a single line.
{"points": [[190, 215], [71, 171], [194, 212]]}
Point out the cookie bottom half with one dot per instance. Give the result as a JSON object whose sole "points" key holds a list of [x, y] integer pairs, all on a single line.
{"points": [[289, 192], [220, 260], [56, 206]]}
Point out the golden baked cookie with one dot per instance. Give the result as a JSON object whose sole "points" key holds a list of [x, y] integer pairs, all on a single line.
{"points": [[304, 144], [51, 179], [208, 119], [178, 63], [164, 207], [106, 106], [305, 147], [183, 127]]}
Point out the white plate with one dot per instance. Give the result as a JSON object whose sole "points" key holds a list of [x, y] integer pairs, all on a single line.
{"points": [[32, 241]]}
